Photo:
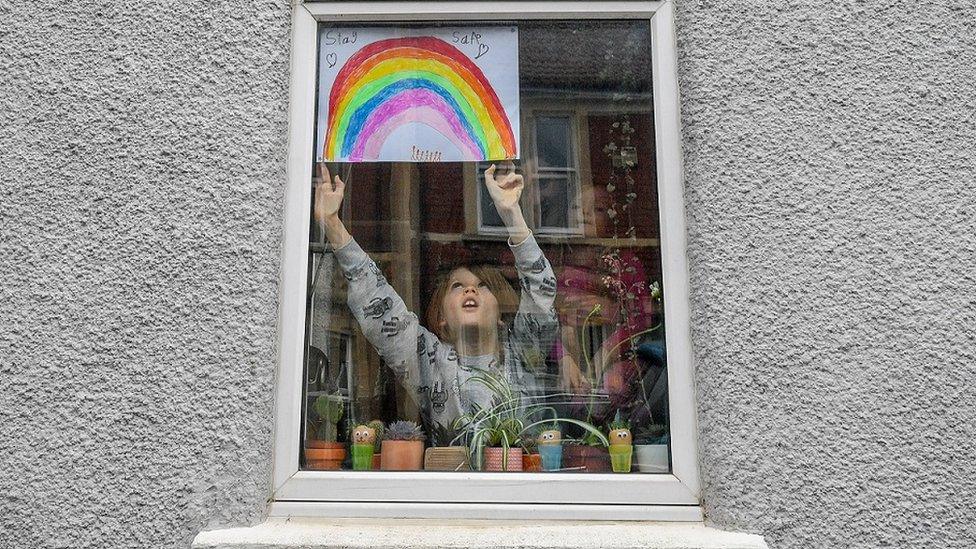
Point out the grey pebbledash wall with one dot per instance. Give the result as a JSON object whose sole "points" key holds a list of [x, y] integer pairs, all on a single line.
{"points": [[143, 164], [829, 171], [830, 165]]}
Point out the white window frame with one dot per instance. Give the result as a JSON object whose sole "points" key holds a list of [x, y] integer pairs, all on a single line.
{"points": [[674, 496]]}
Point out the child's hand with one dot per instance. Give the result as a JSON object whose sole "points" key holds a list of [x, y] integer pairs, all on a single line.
{"points": [[328, 199], [504, 191]]}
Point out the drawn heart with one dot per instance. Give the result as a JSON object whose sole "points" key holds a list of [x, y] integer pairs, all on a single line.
{"points": [[482, 49], [331, 59]]}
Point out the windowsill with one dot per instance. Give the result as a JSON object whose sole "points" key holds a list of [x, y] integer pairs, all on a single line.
{"points": [[403, 533]]}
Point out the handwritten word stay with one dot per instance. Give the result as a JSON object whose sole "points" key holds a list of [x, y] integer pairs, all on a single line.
{"points": [[334, 37]]}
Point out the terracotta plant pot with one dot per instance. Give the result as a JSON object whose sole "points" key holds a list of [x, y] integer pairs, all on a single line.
{"points": [[532, 462], [312, 443], [376, 461], [494, 459], [402, 455], [586, 459], [324, 456]]}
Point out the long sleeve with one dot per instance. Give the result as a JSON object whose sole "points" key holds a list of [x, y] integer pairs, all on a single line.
{"points": [[536, 325], [393, 330]]}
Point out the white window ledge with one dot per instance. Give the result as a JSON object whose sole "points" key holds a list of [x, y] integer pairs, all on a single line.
{"points": [[402, 533]]}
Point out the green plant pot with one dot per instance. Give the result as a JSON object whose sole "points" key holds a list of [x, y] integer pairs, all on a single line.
{"points": [[620, 455], [362, 457]]}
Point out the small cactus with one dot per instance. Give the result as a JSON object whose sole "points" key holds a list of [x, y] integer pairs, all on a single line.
{"points": [[329, 409], [403, 430], [618, 422], [364, 434], [550, 437], [377, 426], [620, 431]]}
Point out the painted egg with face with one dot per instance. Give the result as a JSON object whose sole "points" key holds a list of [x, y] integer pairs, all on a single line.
{"points": [[620, 437], [551, 437], [363, 434]]}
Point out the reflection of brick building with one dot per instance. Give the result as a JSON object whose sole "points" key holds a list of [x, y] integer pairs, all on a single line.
{"points": [[587, 142]]}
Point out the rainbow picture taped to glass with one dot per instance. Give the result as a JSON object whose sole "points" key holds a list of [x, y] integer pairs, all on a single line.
{"points": [[484, 251]]}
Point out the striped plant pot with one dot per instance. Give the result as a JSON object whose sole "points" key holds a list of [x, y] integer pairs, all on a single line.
{"points": [[494, 459]]}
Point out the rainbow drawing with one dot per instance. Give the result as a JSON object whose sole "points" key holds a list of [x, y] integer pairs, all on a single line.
{"points": [[394, 82]]}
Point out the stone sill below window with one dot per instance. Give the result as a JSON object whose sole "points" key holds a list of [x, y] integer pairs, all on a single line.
{"points": [[282, 533]]}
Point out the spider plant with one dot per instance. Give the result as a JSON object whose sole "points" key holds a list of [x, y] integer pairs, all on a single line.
{"points": [[507, 421]]}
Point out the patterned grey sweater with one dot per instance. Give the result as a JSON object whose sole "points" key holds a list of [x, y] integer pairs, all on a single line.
{"points": [[432, 369]]}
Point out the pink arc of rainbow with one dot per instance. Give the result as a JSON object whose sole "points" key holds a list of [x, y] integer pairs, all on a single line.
{"points": [[413, 105]]}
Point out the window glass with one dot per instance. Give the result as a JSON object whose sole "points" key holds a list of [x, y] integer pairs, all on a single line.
{"points": [[553, 135], [500, 315], [489, 222], [556, 170], [557, 202]]}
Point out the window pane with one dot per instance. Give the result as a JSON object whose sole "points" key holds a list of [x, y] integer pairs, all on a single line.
{"points": [[489, 214], [553, 135], [528, 317], [557, 202]]}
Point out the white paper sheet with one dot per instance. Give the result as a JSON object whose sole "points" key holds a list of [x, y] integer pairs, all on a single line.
{"points": [[405, 94]]}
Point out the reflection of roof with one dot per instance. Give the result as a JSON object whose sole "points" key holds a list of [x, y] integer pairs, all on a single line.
{"points": [[585, 56], [578, 57]]}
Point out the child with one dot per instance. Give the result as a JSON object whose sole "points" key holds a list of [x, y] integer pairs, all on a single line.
{"points": [[466, 333]]}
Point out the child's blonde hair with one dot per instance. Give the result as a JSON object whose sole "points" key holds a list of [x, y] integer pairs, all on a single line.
{"points": [[506, 296]]}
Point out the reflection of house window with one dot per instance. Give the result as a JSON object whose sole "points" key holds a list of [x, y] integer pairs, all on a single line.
{"points": [[328, 369], [554, 192], [557, 175], [489, 222]]}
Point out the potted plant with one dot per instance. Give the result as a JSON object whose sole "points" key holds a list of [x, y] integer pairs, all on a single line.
{"points": [[496, 438], [447, 458], [621, 445], [503, 450], [587, 454], [377, 426], [550, 446], [496, 433], [324, 452], [651, 449], [403, 447], [531, 460], [363, 441], [442, 456]]}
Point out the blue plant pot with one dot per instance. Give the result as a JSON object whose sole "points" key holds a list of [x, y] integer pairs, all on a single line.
{"points": [[552, 457]]}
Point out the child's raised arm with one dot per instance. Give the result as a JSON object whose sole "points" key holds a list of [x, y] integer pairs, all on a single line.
{"points": [[383, 316], [328, 200], [535, 324]]}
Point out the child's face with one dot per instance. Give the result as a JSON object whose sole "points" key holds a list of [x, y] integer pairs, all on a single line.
{"points": [[468, 303]]}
